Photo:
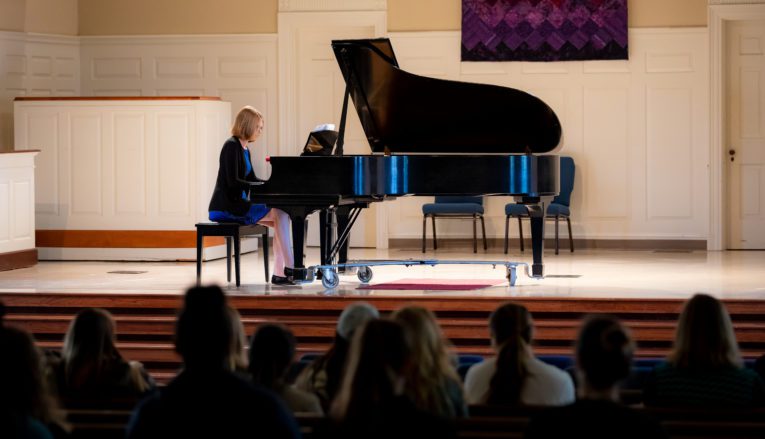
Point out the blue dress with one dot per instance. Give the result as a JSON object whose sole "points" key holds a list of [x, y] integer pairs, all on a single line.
{"points": [[256, 212]]}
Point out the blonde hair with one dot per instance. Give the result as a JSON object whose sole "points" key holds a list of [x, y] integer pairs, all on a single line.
{"points": [[705, 337], [89, 346], [379, 356], [432, 375], [246, 122], [237, 359]]}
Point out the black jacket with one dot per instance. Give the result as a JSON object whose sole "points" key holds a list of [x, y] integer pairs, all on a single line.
{"points": [[227, 196]]}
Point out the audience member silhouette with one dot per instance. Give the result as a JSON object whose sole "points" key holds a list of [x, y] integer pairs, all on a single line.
{"points": [[27, 410], [271, 353], [603, 359], [371, 402], [207, 399], [323, 376], [432, 383], [759, 366], [515, 376], [91, 368], [705, 366]]}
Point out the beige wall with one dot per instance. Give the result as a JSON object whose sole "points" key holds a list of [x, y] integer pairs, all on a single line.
{"points": [[151, 17], [52, 17], [420, 15], [40, 16], [156, 17], [12, 13]]}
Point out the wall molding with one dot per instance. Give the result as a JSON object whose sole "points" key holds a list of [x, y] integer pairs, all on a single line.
{"points": [[332, 5], [736, 2]]}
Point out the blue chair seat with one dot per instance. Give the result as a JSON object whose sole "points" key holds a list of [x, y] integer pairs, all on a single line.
{"points": [[454, 207], [451, 208], [516, 210], [558, 209]]}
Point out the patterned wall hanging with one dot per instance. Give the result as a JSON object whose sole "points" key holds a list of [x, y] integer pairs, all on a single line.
{"points": [[544, 30]]}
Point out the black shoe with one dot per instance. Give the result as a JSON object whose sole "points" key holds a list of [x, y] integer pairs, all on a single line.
{"points": [[279, 280]]}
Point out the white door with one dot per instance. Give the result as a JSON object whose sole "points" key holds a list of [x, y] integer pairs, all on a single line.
{"points": [[746, 134], [320, 97]]}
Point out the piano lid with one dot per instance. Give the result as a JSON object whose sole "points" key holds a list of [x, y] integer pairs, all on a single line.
{"points": [[407, 113]]}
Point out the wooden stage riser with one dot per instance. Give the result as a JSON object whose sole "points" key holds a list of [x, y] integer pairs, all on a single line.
{"points": [[48, 326], [663, 309], [145, 322]]}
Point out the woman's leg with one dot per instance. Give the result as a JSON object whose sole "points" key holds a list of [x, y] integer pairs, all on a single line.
{"points": [[280, 222]]}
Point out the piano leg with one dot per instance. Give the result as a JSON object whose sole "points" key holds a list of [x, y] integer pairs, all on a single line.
{"points": [[326, 223], [297, 272], [331, 220], [343, 219], [537, 216]]}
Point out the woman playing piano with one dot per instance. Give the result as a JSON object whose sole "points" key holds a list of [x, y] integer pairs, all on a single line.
{"points": [[231, 197]]}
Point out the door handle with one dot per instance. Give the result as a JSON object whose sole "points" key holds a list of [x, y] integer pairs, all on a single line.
{"points": [[732, 154]]}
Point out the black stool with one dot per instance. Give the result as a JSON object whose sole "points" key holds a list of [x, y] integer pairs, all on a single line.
{"points": [[232, 231]]}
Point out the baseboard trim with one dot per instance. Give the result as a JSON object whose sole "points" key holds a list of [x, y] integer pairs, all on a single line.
{"points": [[18, 259], [513, 243], [122, 239]]}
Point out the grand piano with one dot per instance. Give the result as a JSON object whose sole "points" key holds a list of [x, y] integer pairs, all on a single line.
{"points": [[428, 137]]}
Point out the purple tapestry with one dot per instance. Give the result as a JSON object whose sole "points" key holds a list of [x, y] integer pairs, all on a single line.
{"points": [[544, 30]]}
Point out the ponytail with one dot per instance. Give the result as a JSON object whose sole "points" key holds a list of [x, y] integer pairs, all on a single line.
{"points": [[511, 329]]}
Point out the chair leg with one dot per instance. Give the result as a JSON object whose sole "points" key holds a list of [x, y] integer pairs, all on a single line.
{"points": [[433, 218], [265, 255], [520, 232], [556, 234], [237, 253], [483, 230], [200, 241], [570, 239], [424, 228], [475, 236], [228, 258], [507, 228]]}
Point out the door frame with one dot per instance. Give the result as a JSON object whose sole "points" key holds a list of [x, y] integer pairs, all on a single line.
{"points": [[721, 12], [295, 16]]}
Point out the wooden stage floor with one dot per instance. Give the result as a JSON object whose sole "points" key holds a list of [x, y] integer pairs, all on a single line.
{"points": [[583, 274]]}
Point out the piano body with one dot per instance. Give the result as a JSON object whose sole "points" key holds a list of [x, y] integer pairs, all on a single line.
{"points": [[428, 137]]}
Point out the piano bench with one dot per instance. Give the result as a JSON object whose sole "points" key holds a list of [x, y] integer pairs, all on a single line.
{"points": [[232, 232]]}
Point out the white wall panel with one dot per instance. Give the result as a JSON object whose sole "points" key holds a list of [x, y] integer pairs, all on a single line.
{"points": [[129, 167], [114, 68], [669, 153], [175, 68], [34, 65], [85, 148], [173, 144], [40, 130], [17, 214], [5, 211], [606, 176], [23, 205]]}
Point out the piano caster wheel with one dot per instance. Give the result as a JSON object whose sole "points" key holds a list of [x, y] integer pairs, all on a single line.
{"points": [[364, 274], [329, 278]]}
